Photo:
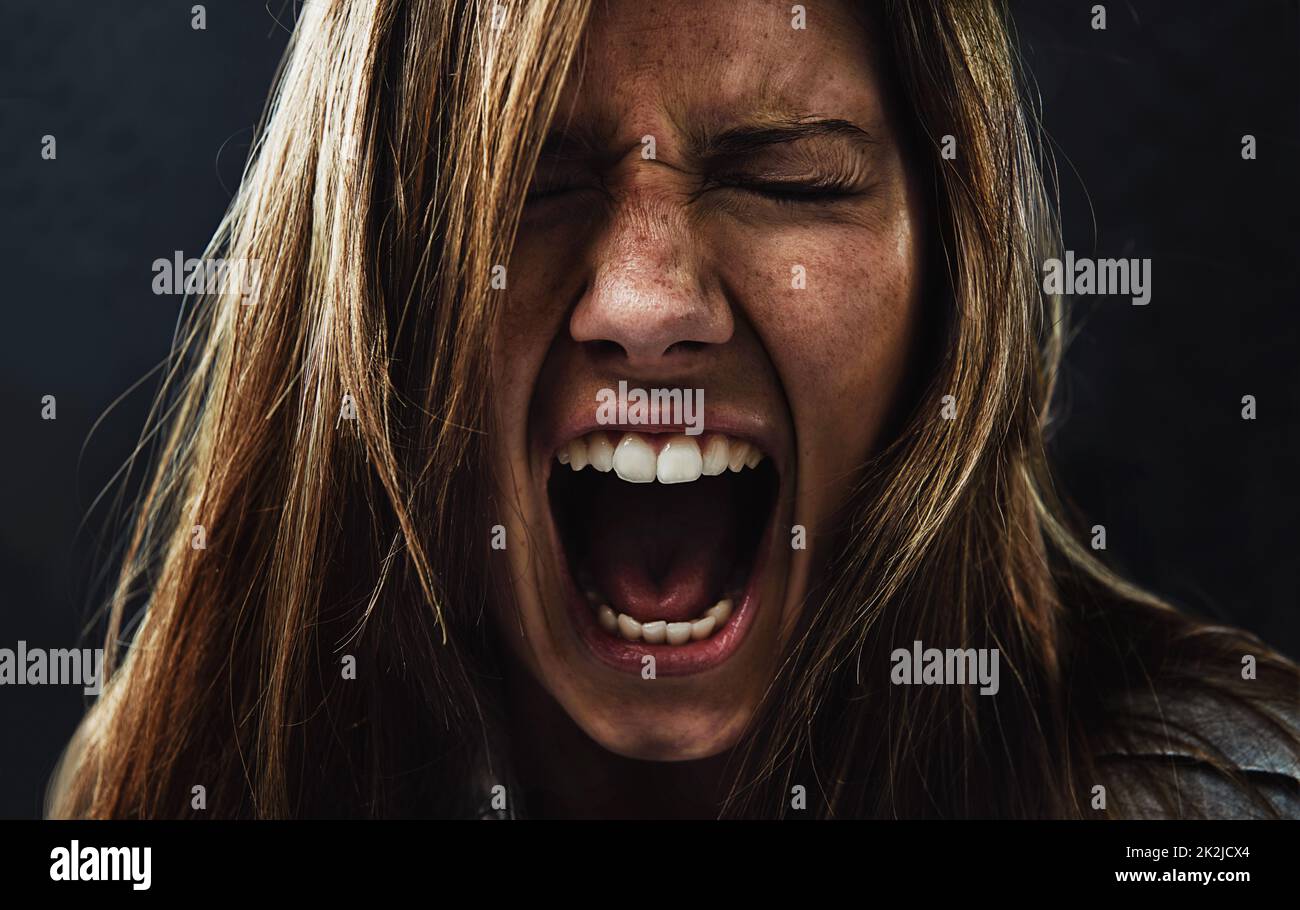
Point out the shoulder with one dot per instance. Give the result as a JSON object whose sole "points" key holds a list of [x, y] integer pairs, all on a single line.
{"points": [[1204, 755]]}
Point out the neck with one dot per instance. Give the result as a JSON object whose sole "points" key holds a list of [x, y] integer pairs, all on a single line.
{"points": [[566, 774]]}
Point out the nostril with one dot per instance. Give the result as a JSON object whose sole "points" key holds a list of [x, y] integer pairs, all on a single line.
{"points": [[602, 349], [612, 353], [685, 347]]}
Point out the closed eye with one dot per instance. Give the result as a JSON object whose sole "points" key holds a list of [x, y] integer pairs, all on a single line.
{"points": [[789, 191], [543, 193]]}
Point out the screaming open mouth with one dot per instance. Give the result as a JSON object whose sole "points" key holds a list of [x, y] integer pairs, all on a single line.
{"points": [[663, 540]]}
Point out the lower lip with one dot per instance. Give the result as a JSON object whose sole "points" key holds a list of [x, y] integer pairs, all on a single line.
{"points": [[669, 660]]}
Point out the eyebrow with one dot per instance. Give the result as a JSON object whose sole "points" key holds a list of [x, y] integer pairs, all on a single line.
{"points": [[733, 142], [570, 144], [580, 140], [751, 138]]}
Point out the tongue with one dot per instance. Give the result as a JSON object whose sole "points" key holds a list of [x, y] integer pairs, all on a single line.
{"points": [[661, 552]]}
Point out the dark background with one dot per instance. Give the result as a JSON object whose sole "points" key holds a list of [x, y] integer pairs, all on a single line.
{"points": [[153, 121]]}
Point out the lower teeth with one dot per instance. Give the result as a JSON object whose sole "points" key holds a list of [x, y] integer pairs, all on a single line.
{"points": [[660, 631]]}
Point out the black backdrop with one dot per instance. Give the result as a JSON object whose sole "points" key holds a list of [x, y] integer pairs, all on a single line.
{"points": [[153, 119]]}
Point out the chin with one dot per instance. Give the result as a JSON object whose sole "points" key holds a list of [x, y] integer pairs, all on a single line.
{"points": [[666, 730], [651, 592]]}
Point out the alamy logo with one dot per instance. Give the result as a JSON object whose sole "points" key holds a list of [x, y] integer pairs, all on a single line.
{"points": [[948, 667], [26, 666], [1120, 277], [212, 277], [655, 407], [76, 863]]}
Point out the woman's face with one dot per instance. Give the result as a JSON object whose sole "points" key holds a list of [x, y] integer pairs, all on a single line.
{"points": [[723, 206]]}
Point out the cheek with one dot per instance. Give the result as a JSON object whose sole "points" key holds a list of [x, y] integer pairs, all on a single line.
{"points": [[542, 278], [840, 344]]}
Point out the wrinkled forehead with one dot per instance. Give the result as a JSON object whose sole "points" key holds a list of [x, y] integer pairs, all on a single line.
{"points": [[696, 67]]}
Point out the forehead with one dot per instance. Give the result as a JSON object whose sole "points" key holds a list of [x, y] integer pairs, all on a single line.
{"points": [[696, 65]]}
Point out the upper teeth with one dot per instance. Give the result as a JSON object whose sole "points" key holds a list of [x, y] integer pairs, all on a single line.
{"points": [[679, 460]]}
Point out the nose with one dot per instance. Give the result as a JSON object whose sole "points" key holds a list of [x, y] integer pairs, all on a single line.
{"points": [[651, 293]]}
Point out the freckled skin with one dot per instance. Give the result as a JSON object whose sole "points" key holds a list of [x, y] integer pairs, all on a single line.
{"points": [[646, 276]]}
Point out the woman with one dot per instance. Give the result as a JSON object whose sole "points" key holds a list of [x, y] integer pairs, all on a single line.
{"points": [[438, 579]]}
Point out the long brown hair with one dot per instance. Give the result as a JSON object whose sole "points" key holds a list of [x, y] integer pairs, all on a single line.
{"points": [[386, 182]]}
